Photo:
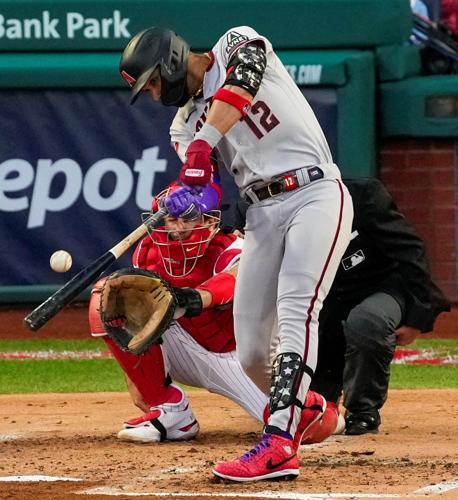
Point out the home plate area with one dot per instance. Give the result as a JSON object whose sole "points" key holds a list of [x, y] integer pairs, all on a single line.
{"points": [[64, 446]]}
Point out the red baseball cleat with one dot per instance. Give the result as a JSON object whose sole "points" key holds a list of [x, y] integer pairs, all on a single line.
{"points": [[314, 409], [274, 457]]}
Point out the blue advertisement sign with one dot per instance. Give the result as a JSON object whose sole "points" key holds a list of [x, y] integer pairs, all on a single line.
{"points": [[77, 169]]}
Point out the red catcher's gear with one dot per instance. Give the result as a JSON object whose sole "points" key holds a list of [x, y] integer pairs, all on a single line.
{"points": [[198, 168], [221, 287], [180, 256], [179, 250], [147, 372], [324, 427], [213, 329]]}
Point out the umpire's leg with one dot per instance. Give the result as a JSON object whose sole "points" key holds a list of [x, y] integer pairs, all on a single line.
{"points": [[371, 341]]}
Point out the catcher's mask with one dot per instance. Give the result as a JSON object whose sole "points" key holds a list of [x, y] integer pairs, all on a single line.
{"points": [[182, 242], [154, 48]]}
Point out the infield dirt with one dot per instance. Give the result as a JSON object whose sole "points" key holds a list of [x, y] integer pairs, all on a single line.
{"points": [[74, 435]]}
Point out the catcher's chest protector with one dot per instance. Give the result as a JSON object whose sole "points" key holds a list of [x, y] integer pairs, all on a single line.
{"points": [[213, 329], [147, 257]]}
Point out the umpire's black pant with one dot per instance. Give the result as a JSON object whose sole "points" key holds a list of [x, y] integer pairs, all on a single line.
{"points": [[356, 348]]}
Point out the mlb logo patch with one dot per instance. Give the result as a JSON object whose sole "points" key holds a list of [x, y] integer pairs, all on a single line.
{"points": [[353, 260]]}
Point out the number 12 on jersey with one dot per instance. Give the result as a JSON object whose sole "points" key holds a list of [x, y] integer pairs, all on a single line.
{"points": [[267, 120]]}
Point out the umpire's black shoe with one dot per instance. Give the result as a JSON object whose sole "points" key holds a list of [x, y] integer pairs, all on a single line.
{"points": [[357, 424]]}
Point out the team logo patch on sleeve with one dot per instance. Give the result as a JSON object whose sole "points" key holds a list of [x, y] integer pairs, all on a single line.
{"points": [[233, 39]]}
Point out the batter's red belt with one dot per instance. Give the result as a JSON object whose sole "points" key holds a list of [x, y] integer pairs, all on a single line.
{"points": [[289, 181]]}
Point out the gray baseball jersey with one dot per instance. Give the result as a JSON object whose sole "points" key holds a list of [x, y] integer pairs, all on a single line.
{"points": [[280, 133], [293, 241]]}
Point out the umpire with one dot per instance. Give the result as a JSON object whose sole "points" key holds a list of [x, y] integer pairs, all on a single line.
{"points": [[382, 295]]}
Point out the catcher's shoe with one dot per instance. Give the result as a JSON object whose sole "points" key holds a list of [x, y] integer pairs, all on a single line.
{"points": [[314, 408], [274, 457], [340, 427], [162, 423]]}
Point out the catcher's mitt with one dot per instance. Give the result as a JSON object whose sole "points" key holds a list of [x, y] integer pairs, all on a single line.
{"points": [[136, 307]]}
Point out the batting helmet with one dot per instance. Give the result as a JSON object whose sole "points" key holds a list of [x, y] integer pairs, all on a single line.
{"points": [[154, 48]]}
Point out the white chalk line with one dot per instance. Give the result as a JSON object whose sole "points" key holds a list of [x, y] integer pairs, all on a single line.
{"points": [[35, 479], [9, 437], [51, 355], [441, 487], [263, 494], [434, 489]]}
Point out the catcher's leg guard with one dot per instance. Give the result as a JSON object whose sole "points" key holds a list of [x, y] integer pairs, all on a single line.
{"points": [[147, 372], [330, 423], [95, 321]]}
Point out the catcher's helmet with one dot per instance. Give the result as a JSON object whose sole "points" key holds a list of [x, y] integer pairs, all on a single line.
{"points": [[180, 249], [154, 48]]}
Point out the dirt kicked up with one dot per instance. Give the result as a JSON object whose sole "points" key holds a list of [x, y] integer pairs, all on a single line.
{"points": [[72, 438]]}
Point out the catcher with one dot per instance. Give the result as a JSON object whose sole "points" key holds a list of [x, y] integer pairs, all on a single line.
{"points": [[198, 349]]}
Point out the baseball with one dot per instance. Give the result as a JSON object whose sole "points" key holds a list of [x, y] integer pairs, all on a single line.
{"points": [[60, 261]]}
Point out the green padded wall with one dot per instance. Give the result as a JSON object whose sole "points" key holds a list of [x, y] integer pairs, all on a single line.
{"points": [[62, 25], [404, 107]]}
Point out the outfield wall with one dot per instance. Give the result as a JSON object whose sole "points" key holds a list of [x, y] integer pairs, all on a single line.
{"points": [[78, 164]]}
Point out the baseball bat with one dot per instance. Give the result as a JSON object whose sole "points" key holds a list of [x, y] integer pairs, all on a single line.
{"points": [[58, 300]]}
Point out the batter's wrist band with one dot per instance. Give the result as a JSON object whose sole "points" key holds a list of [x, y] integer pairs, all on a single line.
{"points": [[221, 287], [241, 103], [210, 134]]}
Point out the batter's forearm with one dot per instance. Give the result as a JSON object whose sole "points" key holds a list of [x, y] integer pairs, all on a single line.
{"points": [[223, 115]]}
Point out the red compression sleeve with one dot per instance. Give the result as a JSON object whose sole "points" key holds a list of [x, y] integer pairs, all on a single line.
{"points": [[241, 103], [221, 287]]}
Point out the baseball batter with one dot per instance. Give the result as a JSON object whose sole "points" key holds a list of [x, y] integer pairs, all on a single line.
{"points": [[238, 103]]}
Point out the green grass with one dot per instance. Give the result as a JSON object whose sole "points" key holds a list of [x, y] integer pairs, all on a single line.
{"points": [[52, 345], [442, 344], [28, 376], [433, 343], [424, 377]]}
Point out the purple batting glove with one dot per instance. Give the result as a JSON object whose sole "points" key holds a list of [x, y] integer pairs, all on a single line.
{"points": [[189, 202], [180, 203], [207, 197]]}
